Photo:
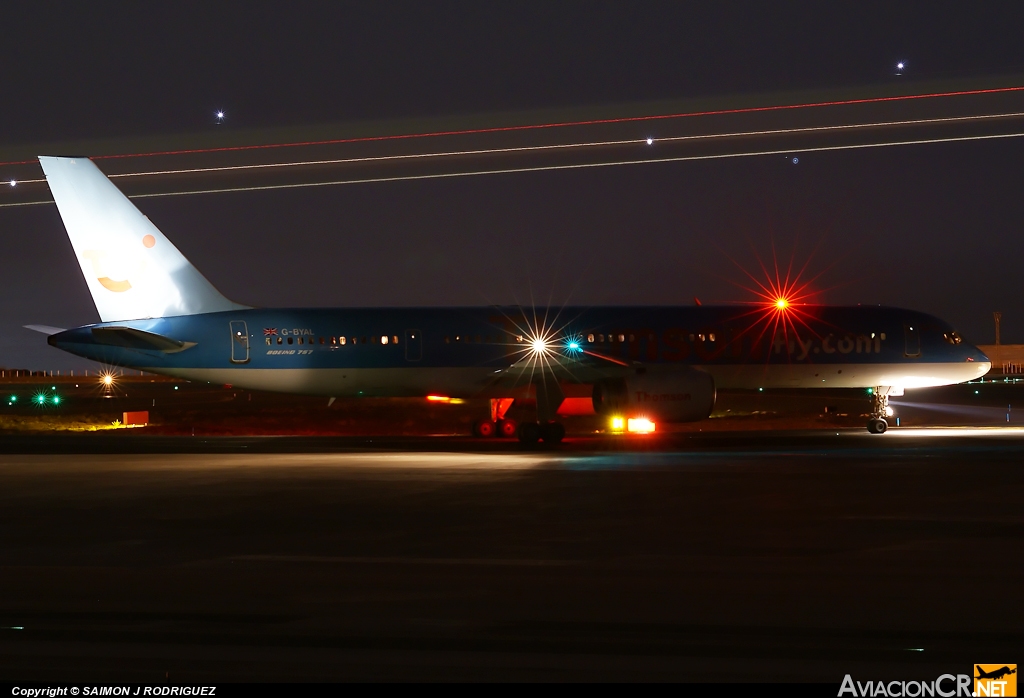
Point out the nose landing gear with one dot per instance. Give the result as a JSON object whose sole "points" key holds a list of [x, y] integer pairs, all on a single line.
{"points": [[879, 410]]}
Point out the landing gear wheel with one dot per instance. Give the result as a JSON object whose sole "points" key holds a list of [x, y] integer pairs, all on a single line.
{"points": [[484, 428], [528, 433], [507, 427], [879, 410], [552, 432]]}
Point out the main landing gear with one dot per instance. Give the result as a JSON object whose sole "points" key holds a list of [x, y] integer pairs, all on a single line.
{"points": [[502, 427], [497, 425], [879, 411], [546, 429], [527, 432], [548, 432]]}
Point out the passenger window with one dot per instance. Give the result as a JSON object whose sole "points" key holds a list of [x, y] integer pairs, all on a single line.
{"points": [[600, 338], [458, 338], [300, 340], [341, 341], [384, 339], [622, 338], [291, 340], [631, 338], [268, 341], [362, 340], [279, 340], [334, 341], [478, 339], [447, 340], [882, 335], [394, 339], [321, 340], [590, 339], [711, 337]]}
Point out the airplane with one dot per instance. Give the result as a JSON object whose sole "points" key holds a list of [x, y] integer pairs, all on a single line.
{"points": [[159, 314], [995, 674]]}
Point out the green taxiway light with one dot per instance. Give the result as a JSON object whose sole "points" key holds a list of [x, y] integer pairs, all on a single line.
{"points": [[14, 398], [56, 399]]}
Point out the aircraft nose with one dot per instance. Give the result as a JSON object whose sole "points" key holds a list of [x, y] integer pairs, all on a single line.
{"points": [[977, 357]]}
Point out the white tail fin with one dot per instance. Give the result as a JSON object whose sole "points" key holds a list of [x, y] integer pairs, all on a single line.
{"points": [[132, 270]]}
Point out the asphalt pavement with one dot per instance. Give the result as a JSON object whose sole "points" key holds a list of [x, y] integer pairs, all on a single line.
{"points": [[794, 556]]}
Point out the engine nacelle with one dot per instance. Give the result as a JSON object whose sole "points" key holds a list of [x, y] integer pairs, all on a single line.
{"points": [[676, 397]]}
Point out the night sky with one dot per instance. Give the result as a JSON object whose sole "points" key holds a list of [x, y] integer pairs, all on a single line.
{"points": [[933, 227]]}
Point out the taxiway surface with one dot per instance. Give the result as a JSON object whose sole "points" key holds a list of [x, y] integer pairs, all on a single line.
{"points": [[800, 556]]}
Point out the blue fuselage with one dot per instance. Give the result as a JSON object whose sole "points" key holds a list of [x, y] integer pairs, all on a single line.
{"points": [[487, 351]]}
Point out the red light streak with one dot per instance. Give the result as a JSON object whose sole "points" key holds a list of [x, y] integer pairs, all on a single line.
{"points": [[551, 168], [552, 125], [559, 146], [605, 357]]}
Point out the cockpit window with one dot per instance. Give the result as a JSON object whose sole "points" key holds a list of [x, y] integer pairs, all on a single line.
{"points": [[952, 337]]}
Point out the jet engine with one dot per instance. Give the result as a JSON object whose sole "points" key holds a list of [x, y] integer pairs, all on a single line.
{"points": [[677, 397]]}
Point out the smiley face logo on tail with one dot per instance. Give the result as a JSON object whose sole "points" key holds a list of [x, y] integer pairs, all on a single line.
{"points": [[107, 269]]}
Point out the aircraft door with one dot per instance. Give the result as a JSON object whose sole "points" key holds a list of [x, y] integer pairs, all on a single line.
{"points": [[912, 337], [239, 342], [413, 345]]}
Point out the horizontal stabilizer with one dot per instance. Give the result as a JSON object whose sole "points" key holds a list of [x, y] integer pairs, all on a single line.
{"points": [[131, 338], [45, 329]]}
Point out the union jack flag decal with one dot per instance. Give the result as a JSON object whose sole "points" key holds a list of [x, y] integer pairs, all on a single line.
{"points": [[269, 331]]}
